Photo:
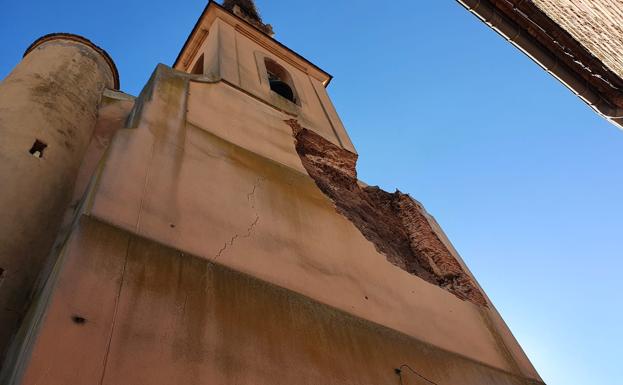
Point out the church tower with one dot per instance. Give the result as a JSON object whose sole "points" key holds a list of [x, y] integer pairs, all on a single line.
{"points": [[218, 234]]}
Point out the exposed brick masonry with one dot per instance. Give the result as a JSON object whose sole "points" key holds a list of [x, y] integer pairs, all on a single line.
{"points": [[595, 24], [393, 222]]}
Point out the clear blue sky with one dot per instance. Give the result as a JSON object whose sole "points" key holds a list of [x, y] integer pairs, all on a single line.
{"points": [[525, 179]]}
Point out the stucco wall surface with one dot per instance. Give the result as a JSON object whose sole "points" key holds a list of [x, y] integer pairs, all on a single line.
{"points": [[232, 56], [596, 24], [52, 96], [236, 193], [166, 317], [200, 249]]}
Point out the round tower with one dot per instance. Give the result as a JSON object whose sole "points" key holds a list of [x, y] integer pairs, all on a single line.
{"points": [[48, 110]]}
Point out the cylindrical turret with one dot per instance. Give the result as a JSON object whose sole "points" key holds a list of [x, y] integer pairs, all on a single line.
{"points": [[48, 110]]}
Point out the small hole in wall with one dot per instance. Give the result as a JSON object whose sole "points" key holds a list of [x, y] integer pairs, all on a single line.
{"points": [[78, 320], [37, 149], [172, 225], [367, 297]]}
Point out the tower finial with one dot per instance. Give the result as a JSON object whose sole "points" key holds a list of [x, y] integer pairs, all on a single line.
{"points": [[247, 10]]}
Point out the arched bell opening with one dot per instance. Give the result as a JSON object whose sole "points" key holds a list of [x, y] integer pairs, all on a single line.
{"points": [[280, 80]]}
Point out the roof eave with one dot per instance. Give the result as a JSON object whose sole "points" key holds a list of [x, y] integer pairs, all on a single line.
{"points": [[572, 64], [213, 3]]}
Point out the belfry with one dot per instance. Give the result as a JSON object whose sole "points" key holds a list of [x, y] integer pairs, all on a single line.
{"points": [[212, 230]]}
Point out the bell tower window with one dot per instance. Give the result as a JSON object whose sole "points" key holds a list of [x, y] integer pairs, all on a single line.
{"points": [[198, 68], [280, 80]]}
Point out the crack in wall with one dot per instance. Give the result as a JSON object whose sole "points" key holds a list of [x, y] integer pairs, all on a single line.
{"points": [[395, 223], [251, 195], [233, 239], [250, 228]]}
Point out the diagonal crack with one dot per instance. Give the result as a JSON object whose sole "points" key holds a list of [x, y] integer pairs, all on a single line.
{"points": [[251, 195], [233, 239], [249, 231]]}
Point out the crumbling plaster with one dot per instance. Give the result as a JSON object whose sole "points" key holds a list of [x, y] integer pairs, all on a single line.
{"points": [[214, 252], [394, 222], [200, 176]]}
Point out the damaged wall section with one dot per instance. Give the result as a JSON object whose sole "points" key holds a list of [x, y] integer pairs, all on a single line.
{"points": [[393, 222]]}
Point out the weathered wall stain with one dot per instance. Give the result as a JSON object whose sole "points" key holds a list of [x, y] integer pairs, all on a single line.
{"points": [[393, 222], [179, 319], [49, 106]]}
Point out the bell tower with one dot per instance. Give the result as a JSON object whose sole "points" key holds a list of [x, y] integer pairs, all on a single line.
{"points": [[236, 49], [224, 238]]}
